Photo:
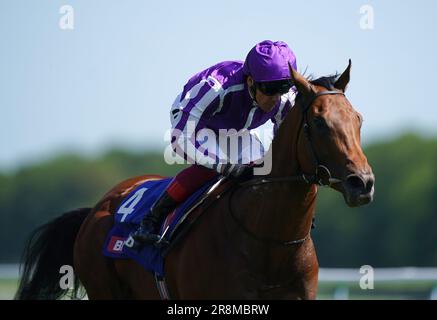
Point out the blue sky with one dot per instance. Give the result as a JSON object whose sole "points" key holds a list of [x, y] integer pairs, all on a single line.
{"points": [[112, 79]]}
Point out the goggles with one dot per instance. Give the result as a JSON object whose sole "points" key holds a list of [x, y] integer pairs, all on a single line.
{"points": [[272, 88]]}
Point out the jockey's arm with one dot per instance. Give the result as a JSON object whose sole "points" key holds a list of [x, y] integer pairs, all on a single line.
{"points": [[189, 116]]}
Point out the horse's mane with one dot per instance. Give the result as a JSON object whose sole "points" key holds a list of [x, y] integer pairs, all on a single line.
{"points": [[327, 82]]}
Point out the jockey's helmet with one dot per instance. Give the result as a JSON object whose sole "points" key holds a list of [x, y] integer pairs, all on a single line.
{"points": [[268, 61]]}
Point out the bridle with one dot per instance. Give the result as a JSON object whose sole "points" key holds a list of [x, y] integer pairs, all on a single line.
{"points": [[321, 177]]}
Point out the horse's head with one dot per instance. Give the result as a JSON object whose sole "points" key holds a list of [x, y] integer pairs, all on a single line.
{"points": [[330, 138]]}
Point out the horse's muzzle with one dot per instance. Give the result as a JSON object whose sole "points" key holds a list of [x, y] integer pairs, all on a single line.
{"points": [[359, 189]]}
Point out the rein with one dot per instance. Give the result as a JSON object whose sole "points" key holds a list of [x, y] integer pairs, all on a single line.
{"points": [[321, 177]]}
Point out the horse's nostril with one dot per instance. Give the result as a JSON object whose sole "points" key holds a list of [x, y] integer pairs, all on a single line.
{"points": [[355, 182]]}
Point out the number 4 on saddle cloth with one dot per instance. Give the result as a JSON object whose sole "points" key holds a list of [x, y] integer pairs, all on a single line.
{"points": [[138, 202]]}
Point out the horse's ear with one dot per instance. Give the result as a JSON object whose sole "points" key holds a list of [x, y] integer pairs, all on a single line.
{"points": [[343, 80], [303, 85]]}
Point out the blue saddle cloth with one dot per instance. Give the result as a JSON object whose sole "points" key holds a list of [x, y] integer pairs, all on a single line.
{"points": [[128, 217]]}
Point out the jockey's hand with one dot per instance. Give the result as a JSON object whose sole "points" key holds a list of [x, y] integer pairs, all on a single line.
{"points": [[237, 170]]}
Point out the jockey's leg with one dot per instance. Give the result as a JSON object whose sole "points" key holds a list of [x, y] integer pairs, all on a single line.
{"points": [[186, 182], [183, 185]]}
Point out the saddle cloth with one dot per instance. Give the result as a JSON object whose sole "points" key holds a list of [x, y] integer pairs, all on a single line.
{"points": [[128, 217]]}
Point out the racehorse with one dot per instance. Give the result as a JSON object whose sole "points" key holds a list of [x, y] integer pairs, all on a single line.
{"points": [[252, 243]]}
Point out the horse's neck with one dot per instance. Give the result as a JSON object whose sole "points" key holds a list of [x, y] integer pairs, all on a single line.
{"points": [[280, 211], [292, 203]]}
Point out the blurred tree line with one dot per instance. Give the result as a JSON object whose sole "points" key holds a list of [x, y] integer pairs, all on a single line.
{"points": [[398, 229]]}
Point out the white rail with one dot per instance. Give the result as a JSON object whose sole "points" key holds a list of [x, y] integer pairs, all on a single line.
{"points": [[344, 279], [381, 274], [341, 279]]}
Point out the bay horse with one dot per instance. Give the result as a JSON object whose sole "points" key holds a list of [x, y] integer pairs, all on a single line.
{"points": [[252, 243]]}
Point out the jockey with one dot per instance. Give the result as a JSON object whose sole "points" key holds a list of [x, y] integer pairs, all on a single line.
{"points": [[228, 95]]}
